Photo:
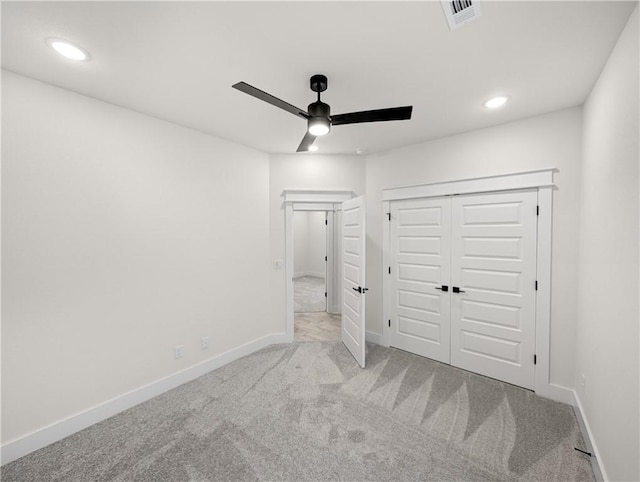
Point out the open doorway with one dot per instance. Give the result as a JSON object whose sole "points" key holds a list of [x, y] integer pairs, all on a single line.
{"points": [[329, 202], [310, 261], [316, 310]]}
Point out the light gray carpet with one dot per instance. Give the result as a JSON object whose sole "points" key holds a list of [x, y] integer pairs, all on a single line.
{"points": [[306, 411], [308, 294]]}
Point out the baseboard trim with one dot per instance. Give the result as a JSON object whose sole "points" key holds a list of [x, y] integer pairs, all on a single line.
{"points": [[57, 431], [312, 274], [372, 337], [557, 393], [596, 462]]}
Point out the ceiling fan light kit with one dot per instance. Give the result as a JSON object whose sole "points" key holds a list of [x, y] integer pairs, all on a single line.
{"points": [[319, 118], [319, 126]]}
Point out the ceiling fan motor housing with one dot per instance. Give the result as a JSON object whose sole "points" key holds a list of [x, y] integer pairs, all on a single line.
{"points": [[319, 122], [319, 109]]}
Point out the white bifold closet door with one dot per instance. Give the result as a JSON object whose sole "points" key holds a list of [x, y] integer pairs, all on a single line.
{"points": [[421, 250], [463, 282]]}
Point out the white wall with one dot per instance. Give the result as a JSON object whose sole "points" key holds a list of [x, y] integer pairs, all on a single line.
{"points": [[547, 141], [300, 243], [607, 334], [122, 236], [304, 172], [310, 241], [317, 247]]}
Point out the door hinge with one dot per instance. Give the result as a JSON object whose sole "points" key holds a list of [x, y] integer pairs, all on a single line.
{"points": [[536, 285], [537, 210], [389, 323], [535, 359], [389, 216], [326, 222], [389, 269], [325, 258], [325, 294]]}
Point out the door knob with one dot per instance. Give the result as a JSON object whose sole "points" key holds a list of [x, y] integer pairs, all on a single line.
{"points": [[358, 289], [443, 288], [458, 290]]}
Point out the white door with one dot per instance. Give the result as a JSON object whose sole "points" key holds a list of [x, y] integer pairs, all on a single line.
{"points": [[353, 277], [494, 270], [420, 272]]}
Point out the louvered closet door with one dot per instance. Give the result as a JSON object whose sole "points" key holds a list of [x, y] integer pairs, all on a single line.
{"points": [[494, 263], [420, 263]]}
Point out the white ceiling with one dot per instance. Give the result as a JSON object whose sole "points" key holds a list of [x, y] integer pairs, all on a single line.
{"points": [[178, 60]]}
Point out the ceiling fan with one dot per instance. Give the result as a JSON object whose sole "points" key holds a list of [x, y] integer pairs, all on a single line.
{"points": [[319, 118]]}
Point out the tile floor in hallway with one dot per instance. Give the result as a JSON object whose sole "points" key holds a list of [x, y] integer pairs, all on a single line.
{"points": [[319, 326]]}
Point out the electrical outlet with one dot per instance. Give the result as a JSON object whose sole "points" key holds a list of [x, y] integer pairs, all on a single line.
{"points": [[583, 381], [179, 351], [205, 342]]}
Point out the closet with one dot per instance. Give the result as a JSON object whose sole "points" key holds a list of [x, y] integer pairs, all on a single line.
{"points": [[462, 283]]}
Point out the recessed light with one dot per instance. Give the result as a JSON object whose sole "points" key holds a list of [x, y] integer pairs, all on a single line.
{"points": [[68, 49], [313, 148], [496, 102]]}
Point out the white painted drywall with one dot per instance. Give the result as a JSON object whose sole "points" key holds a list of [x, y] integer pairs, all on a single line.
{"points": [[607, 334], [304, 172], [317, 243], [122, 237], [310, 240], [547, 141], [300, 243]]}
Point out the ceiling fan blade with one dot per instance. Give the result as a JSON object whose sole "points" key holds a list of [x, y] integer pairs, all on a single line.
{"points": [[307, 140], [379, 115], [259, 94]]}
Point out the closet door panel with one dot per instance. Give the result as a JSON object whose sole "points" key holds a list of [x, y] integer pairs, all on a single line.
{"points": [[420, 264], [493, 264]]}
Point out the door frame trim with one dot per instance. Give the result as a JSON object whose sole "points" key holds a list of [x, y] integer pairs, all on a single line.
{"points": [[543, 181], [299, 200]]}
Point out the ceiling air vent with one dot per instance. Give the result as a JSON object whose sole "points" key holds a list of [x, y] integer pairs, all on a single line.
{"points": [[459, 12]]}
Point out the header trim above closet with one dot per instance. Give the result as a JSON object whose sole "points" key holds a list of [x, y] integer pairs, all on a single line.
{"points": [[505, 182]]}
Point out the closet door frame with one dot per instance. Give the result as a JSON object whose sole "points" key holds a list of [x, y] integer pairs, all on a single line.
{"points": [[542, 180]]}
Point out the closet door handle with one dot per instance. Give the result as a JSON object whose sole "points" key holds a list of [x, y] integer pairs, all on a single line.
{"points": [[458, 290], [358, 289], [443, 288]]}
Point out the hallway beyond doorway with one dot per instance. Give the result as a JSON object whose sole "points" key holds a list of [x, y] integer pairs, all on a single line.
{"points": [[309, 294], [320, 326]]}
